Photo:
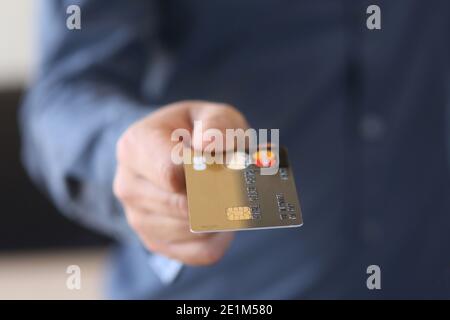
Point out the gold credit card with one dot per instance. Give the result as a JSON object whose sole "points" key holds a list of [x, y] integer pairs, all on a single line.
{"points": [[236, 196]]}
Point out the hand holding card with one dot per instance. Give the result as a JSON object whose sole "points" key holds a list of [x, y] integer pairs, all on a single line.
{"points": [[237, 196], [151, 187]]}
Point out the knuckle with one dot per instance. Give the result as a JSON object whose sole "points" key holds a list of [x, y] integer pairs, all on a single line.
{"points": [[120, 189], [233, 115], [153, 246], [207, 255], [238, 117], [177, 202], [213, 256], [229, 109], [168, 176], [227, 106], [123, 146], [135, 221]]}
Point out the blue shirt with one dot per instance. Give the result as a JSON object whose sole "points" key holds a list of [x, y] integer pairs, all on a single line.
{"points": [[365, 115]]}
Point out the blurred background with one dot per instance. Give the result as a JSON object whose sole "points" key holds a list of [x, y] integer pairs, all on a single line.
{"points": [[37, 244]]}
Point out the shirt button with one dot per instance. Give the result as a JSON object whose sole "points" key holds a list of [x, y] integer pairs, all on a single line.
{"points": [[372, 127]]}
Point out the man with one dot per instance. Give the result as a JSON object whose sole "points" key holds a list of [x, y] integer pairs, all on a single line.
{"points": [[363, 113]]}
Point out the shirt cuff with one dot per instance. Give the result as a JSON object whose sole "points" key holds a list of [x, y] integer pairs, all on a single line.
{"points": [[165, 268]]}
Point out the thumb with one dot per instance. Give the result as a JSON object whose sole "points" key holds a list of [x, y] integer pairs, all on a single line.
{"points": [[210, 122]]}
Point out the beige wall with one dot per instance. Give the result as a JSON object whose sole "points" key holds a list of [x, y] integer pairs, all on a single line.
{"points": [[16, 34], [42, 275]]}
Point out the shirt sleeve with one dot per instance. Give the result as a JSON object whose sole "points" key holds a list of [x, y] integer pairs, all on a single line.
{"points": [[86, 93]]}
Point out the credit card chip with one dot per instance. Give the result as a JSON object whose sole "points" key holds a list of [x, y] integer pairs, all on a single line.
{"points": [[239, 213]]}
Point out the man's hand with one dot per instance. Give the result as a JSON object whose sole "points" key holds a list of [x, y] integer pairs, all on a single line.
{"points": [[152, 188]]}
